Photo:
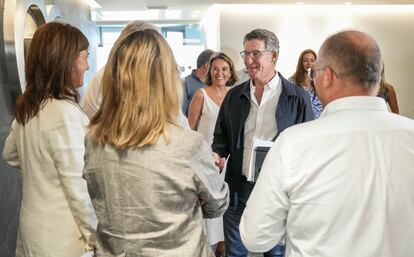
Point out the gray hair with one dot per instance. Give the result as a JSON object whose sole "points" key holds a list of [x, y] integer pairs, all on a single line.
{"points": [[270, 39], [204, 57], [353, 54]]}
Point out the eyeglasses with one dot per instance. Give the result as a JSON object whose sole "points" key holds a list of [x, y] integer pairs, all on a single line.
{"points": [[312, 72], [253, 54]]}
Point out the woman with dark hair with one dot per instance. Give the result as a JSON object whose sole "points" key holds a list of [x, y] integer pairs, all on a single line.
{"points": [[202, 116], [47, 144], [220, 76], [302, 78]]}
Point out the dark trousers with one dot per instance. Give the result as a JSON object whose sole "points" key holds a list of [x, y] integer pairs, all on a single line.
{"points": [[231, 221]]}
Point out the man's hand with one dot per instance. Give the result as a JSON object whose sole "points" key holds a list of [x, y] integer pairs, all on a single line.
{"points": [[219, 161]]}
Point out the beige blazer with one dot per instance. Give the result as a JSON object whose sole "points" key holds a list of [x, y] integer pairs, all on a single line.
{"points": [[56, 214], [148, 199]]}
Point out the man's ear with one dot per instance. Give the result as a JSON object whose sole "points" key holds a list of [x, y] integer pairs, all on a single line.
{"points": [[329, 77], [275, 56]]}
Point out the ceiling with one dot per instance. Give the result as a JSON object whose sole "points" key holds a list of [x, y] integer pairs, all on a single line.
{"points": [[193, 10], [111, 5]]}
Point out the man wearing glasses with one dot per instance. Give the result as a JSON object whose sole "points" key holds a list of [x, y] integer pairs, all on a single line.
{"points": [[351, 193], [260, 108]]}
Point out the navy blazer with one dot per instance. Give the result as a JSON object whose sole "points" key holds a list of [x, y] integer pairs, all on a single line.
{"points": [[293, 107]]}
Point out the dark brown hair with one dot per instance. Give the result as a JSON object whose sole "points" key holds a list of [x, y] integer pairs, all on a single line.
{"points": [[233, 76], [299, 76], [50, 68]]}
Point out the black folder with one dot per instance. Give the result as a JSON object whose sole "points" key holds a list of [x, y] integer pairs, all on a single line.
{"points": [[260, 154]]}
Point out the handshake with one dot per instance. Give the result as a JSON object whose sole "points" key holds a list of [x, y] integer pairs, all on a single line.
{"points": [[218, 160]]}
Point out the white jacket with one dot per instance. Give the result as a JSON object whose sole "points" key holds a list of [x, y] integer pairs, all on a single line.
{"points": [[56, 215]]}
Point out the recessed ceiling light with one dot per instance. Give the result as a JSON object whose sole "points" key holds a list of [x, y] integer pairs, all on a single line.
{"points": [[300, 3], [160, 7], [348, 3]]}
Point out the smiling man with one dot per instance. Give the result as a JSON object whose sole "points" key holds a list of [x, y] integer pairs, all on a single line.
{"points": [[260, 108], [341, 185]]}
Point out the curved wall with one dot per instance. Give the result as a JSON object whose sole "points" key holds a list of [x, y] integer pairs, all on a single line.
{"points": [[18, 20]]}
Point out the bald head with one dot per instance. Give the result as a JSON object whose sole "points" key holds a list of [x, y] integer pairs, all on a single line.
{"points": [[354, 56]]}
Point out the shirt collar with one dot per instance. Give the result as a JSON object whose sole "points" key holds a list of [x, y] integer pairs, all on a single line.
{"points": [[272, 84], [372, 103]]}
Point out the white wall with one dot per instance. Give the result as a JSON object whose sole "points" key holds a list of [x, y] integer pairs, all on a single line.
{"points": [[301, 27], [77, 13]]}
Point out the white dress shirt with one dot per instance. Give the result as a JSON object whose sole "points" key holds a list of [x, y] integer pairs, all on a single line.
{"points": [[341, 185], [261, 121], [92, 98]]}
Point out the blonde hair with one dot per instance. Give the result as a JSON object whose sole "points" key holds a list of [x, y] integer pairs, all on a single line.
{"points": [[141, 93]]}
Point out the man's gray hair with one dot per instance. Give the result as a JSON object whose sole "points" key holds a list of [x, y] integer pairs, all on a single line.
{"points": [[204, 57], [353, 54], [270, 39]]}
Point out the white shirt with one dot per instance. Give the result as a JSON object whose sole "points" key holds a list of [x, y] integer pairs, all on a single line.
{"points": [[341, 185], [92, 98], [261, 121]]}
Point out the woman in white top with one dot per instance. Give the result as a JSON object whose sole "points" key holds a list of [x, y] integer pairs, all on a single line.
{"points": [[202, 116], [47, 144]]}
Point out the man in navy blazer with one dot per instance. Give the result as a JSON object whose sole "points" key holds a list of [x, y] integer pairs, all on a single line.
{"points": [[260, 108]]}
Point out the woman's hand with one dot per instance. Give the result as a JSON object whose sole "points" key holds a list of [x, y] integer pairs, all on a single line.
{"points": [[219, 161]]}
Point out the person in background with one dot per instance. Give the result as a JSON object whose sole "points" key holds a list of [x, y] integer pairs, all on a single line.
{"points": [[301, 77], [387, 92], [196, 79], [260, 108], [202, 117], [147, 175], [92, 98], [47, 144], [351, 193]]}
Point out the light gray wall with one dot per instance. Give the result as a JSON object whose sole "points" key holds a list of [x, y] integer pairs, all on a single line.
{"points": [[301, 27], [75, 13]]}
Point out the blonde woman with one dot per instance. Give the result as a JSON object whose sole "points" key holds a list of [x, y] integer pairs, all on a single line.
{"points": [[47, 144], [92, 96], [202, 116], [147, 176]]}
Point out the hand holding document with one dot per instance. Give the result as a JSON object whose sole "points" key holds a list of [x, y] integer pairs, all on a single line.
{"points": [[257, 156]]}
